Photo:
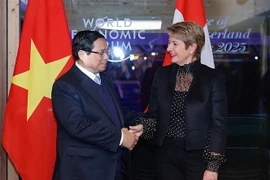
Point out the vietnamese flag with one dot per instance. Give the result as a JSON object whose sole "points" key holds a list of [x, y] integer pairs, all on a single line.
{"points": [[193, 10], [29, 134]]}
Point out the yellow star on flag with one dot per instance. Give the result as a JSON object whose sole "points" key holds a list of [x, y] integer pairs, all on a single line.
{"points": [[38, 80]]}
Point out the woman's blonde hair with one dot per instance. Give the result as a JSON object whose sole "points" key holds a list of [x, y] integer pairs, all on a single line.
{"points": [[188, 32]]}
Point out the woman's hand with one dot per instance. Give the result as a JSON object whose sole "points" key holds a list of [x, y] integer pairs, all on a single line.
{"points": [[137, 130], [210, 175]]}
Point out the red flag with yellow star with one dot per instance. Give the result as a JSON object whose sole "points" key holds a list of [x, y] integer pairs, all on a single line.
{"points": [[29, 134]]}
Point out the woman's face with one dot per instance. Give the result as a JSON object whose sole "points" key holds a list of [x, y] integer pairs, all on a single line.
{"points": [[179, 53]]}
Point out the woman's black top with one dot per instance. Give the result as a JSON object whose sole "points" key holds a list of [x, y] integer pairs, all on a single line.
{"points": [[177, 121]]}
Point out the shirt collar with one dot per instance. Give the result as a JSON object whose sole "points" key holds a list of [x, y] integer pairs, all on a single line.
{"points": [[86, 72]]}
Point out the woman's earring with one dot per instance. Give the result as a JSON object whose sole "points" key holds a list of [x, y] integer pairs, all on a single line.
{"points": [[191, 53]]}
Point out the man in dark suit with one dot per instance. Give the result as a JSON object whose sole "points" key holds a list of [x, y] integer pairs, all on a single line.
{"points": [[91, 138]]}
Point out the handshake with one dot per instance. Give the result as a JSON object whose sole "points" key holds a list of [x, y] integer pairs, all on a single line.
{"points": [[131, 136]]}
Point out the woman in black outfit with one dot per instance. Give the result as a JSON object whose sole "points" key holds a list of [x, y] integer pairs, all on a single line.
{"points": [[187, 113]]}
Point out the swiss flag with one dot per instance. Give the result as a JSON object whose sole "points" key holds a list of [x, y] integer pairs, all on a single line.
{"points": [[29, 133], [193, 10]]}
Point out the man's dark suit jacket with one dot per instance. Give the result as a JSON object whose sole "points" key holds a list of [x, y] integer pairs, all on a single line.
{"points": [[87, 137], [206, 106]]}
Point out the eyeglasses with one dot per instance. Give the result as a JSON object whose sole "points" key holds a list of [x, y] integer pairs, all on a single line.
{"points": [[102, 52]]}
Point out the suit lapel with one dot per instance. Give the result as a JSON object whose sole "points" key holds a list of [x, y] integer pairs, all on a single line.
{"points": [[173, 72], [194, 70], [169, 77], [89, 87], [107, 83]]}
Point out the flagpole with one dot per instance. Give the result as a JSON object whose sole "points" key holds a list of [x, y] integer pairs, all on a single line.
{"points": [[13, 11], [3, 61], [10, 22]]}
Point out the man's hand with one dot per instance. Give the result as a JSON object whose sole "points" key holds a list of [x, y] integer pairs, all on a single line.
{"points": [[209, 175], [137, 130], [129, 140]]}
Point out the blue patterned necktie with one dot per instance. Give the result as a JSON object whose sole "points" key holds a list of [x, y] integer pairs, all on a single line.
{"points": [[97, 80]]}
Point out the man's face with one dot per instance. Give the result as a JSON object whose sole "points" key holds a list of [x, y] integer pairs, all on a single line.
{"points": [[96, 61]]}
